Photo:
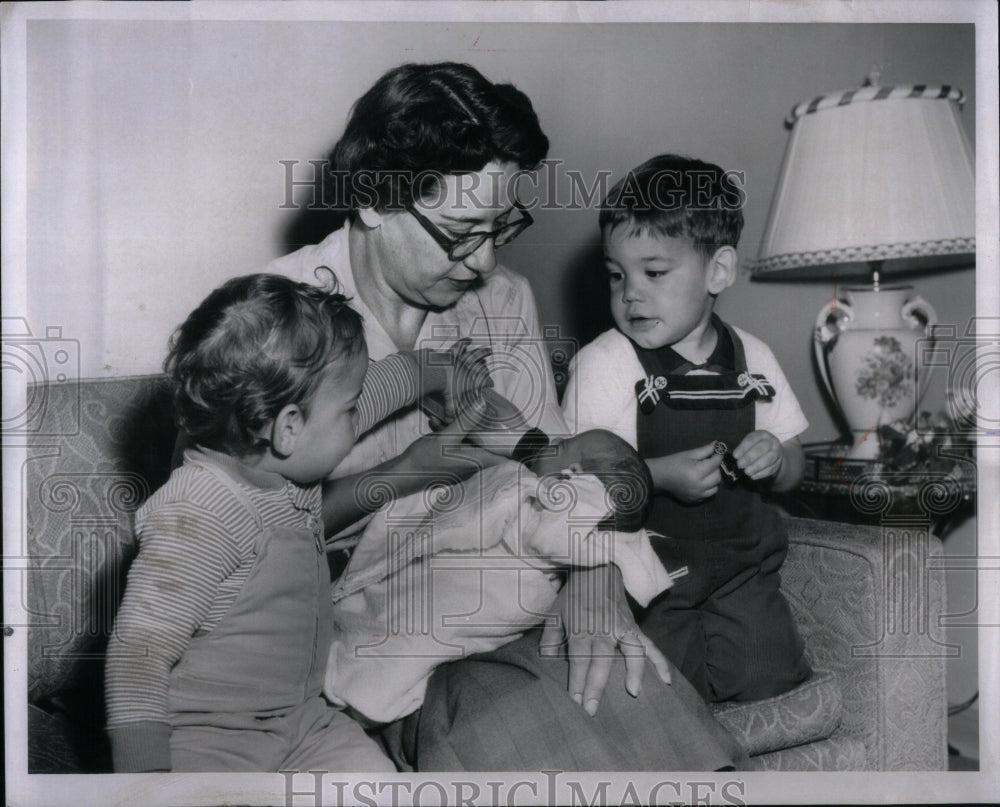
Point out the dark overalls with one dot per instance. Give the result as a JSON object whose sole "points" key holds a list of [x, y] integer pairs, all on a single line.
{"points": [[725, 623]]}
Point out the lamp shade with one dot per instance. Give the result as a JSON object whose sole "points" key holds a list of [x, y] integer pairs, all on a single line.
{"points": [[876, 174]]}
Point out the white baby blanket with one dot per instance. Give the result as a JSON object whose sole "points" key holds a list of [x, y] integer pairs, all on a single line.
{"points": [[440, 575]]}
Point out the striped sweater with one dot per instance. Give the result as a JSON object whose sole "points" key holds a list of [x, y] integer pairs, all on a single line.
{"points": [[196, 551]]}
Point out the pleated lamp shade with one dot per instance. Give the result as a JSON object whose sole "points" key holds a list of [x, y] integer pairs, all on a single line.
{"points": [[876, 174]]}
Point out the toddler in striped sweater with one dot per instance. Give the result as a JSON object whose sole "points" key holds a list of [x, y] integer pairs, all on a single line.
{"points": [[220, 645]]}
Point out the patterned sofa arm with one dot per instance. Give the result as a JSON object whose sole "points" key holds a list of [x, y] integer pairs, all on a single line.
{"points": [[867, 602], [98, 449]]}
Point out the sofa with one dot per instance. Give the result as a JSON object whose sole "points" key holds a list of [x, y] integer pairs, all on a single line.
{"points": [[866, 601]]}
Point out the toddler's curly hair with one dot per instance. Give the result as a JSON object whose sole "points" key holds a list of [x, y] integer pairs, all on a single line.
{"points": [[254, 345]]}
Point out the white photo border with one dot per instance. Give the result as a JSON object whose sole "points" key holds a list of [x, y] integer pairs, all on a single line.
{"points": [[755, 788]]}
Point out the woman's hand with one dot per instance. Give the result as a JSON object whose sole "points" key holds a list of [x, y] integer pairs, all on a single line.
{"points": [[489, 413], [450, 377], [595, 623], [493, 423]]}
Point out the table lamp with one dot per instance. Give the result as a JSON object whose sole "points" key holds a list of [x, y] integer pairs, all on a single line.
{"points": [[876, 181]]}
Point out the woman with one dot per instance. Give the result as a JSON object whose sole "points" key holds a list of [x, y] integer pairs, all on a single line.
{"points": [[428, 167]]}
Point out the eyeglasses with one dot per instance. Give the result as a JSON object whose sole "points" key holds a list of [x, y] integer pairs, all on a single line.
{"points": [[465, 245]]}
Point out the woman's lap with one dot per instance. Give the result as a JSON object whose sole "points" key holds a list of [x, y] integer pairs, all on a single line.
{"points": [[509, 710]]}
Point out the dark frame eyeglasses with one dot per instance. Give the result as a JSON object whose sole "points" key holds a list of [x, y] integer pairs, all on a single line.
{"points": [[465, 245]]}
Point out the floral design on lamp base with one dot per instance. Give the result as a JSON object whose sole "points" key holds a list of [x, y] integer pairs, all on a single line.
{"points": [[864, 346]]}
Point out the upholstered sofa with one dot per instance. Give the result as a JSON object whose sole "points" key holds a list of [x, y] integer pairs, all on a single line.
{"points": [[866, 600]]}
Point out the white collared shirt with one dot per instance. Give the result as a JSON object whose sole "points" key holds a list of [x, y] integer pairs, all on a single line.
{"points": [[501, 313], [601, 389]]}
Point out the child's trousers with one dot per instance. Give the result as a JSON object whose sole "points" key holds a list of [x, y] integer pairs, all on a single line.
{"points": [[725, 623], [247, 696], [313, 737]]}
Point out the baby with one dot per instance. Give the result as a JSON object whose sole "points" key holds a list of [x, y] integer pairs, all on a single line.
{"points": [[415, 595]]}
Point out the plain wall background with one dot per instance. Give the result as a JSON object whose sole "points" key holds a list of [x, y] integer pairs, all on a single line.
{"points": [[154, 153], [153, 166]]}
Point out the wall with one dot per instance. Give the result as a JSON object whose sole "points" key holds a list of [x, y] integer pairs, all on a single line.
{"points": [[154, 149]]}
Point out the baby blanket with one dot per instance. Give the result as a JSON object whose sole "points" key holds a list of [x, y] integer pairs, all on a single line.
{"points": [[442, 574]]}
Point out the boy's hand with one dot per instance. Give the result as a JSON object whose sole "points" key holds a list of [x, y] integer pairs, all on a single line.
{"points": [[759, 455], [756, 456], [689, 476], [448, 377], [445, 452]]}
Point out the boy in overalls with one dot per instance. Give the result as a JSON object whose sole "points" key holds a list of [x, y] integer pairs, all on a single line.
{"points": [[708, 407], [220, 646]]}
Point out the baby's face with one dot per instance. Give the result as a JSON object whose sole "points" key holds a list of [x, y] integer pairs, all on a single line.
{"points": [[570, 454], [615, 463]]}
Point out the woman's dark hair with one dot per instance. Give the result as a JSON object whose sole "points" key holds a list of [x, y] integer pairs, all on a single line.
{"points": [[256, 344], [673, 196], [421, 121]]}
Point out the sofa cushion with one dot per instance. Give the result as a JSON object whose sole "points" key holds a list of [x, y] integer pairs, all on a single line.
{"points": [[868, 603], [840, 753], [805, 714], [58, 744], [97, 449]]}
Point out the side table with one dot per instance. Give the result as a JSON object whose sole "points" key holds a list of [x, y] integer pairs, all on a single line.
{"points": [[937, 498], [835, 488]]}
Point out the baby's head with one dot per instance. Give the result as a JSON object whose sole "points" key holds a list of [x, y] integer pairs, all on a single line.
{"points": [[269, 366], [670, 229], [624, 473]]}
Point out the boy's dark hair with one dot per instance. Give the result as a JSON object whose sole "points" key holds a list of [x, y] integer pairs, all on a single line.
{"points": [[254, 345], [673, 196], [421, 121], [625, 475]]}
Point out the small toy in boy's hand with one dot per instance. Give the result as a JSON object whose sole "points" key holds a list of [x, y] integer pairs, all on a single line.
{"points": [[729, 467]]}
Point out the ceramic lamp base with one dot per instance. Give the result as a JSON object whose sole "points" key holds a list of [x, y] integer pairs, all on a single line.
{"points": [[865, 446], [866, 343]]}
